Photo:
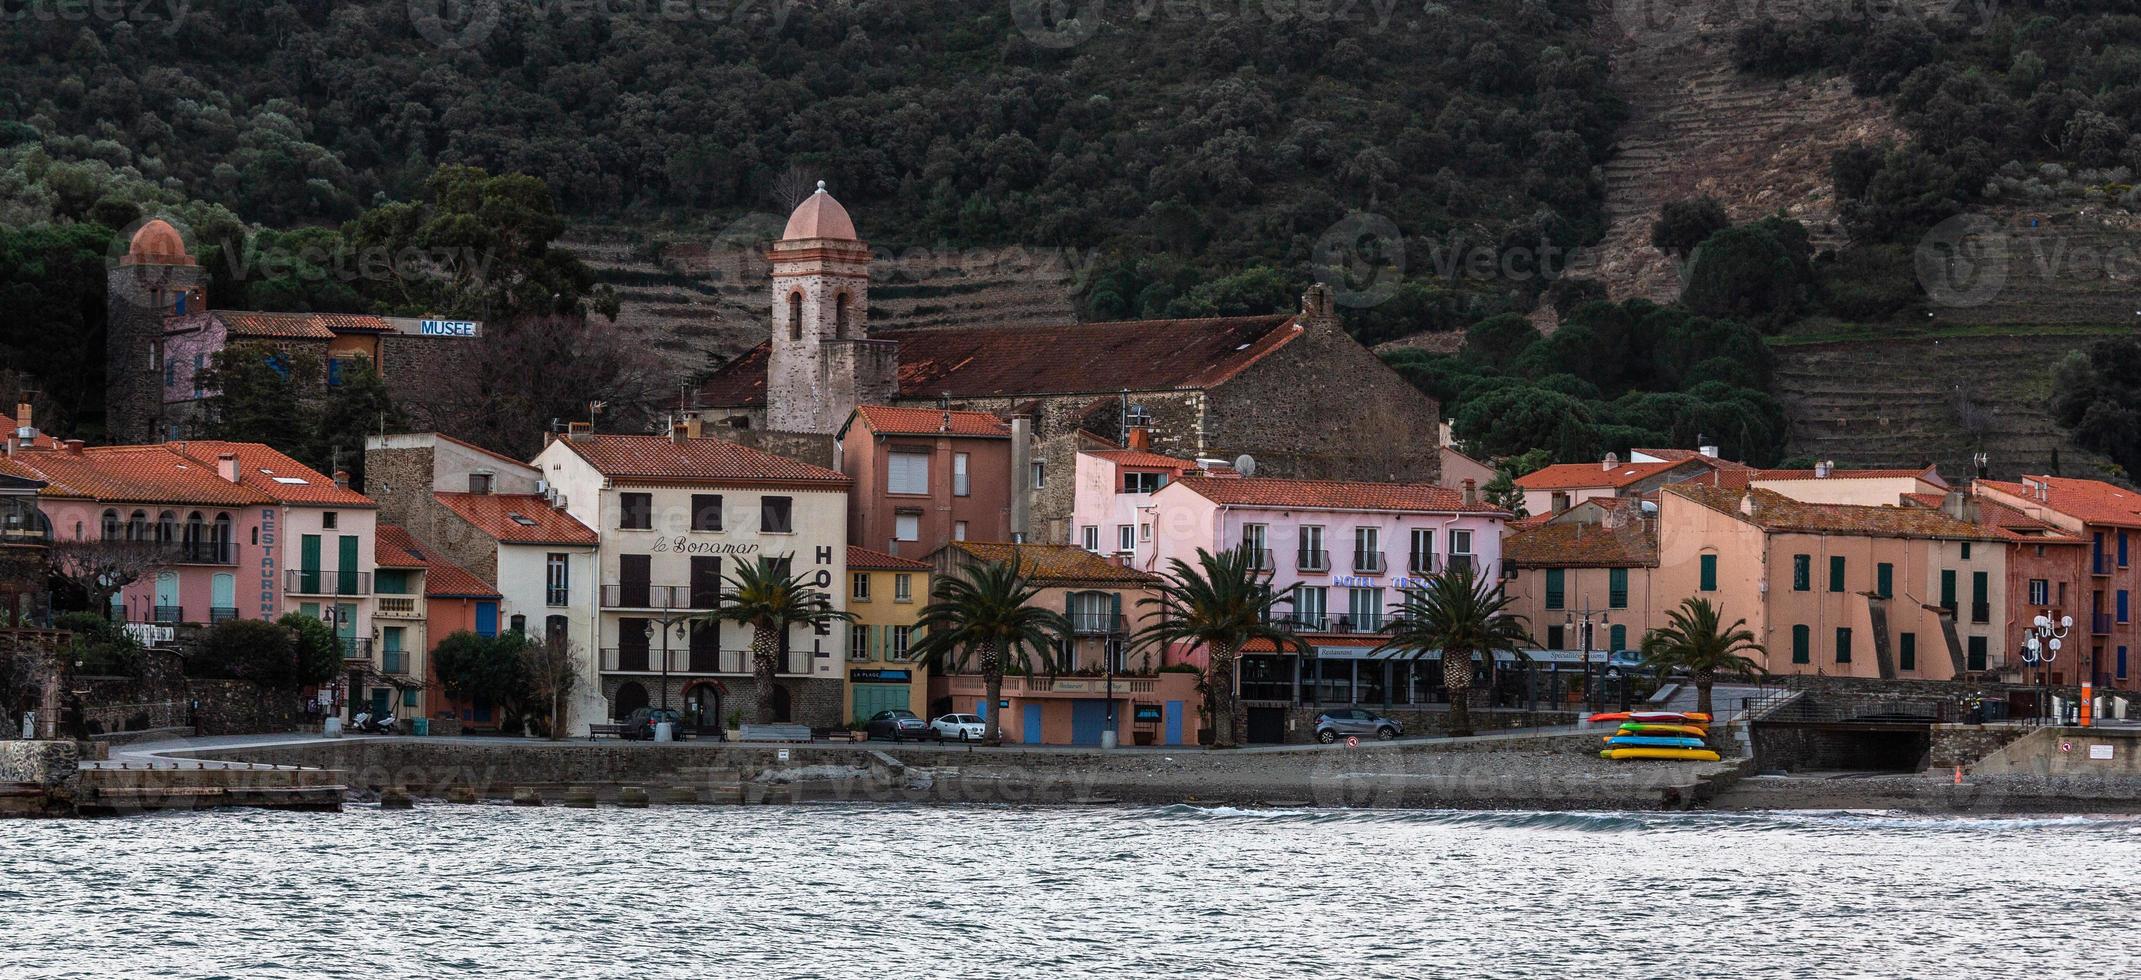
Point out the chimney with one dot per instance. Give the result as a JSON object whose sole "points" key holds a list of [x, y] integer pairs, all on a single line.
{"points": [[73, 447], [1747, 504], [1317, 305], [575, 430], [342, 479], [1821, 469], [694, 427], [1140, 438], [22, 416], [1612, 460], [1021, 476], [227, 467], [1471, 491], [1709, 450], [678, 433]]}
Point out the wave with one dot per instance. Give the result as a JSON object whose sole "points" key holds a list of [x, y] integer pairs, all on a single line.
{"points": [[1587, 821], [1791, 821]]}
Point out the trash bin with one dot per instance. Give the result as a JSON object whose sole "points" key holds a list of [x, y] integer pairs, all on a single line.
{"points": [[1107, 740], [420, 726], [664, 731], [332, 728]]}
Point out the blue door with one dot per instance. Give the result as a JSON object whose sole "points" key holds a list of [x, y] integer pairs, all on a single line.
{"points": [[1174, 722], [1033, 725], [1088, 720]]}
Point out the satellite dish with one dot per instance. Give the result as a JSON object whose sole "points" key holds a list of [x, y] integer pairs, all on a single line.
{"points": [[1245, 464]]}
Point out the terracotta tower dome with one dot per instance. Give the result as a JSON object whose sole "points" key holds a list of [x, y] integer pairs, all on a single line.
{"points": [[157, 243], [819, 216], [823, 362]]}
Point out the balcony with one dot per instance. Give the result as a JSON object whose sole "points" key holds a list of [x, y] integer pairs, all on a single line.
{"points": [[169, 614], [2100, 624], [356, 648], [313, 581], [1369, 563], [1461, 562], [1260, 559], [200, 553], [1097, 624], [2099, 564], [217, 614], [659, 597], [400, 607], [1313, 560], [1420, 562], [394, 662], [632, 660]]}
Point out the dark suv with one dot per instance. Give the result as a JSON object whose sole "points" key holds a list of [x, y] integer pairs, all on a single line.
{"points": [[640, 724]]}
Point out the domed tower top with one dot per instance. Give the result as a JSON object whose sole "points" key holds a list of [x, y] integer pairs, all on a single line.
{"points": [[157, 243], [819, 216]]}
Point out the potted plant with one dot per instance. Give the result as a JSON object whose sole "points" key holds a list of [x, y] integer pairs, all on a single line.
{"points": [[735, 726]]}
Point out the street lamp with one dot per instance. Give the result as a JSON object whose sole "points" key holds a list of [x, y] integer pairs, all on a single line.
{"points": [[1582, 621], [668, 619], [2040, 646]]}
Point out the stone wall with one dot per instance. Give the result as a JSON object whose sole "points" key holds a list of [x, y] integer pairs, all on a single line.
{"points": [[1325, 407], [814, 448], [54, 766], [168, 701], [1964, 745], [1428, 720], [813, 701]]}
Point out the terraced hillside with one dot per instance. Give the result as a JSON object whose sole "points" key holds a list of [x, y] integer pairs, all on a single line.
{"points": [[705, 301], [1938, 397], [2061, 267]]}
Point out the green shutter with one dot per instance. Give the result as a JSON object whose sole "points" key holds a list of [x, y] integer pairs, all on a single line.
{"points": [[1884, 579], [1843, 644], [308, 564], [1907, 651], [346, 566], [1555, 585], [1802, 572], [1947, 588], [1617, 588], [1977, 653], [1709, 573], [1800, 652], [1836, 573], [1617, 637]]}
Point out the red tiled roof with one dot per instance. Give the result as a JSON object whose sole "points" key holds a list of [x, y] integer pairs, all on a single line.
{"points": [[1774, 511], [1054, 562], [1928, 474], [865, 560], [445, 580], [136, 474], [660, 458], [890, 420], [298, 326], [394, 547], [352, 322], [269, 471], [2001, 519], [1266, 491], [517, 518], [1579, 476], [1140, 457], [969, 362], [2088, 501], [1584, 545]]}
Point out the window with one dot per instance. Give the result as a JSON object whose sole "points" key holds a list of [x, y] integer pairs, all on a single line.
{"points": [[1980, 597], [776, 515], [1143, 482], [1976, 655], [1312, 557], [1907, 651], [2122, 605], [1420, 557], [479, 483], [1125, 537], [171, 372], [1802, 572], [110, 526], [1460, 542], [907, 472], [1709, 573], [2040, 592], [1966, 551], [1144, 532], [1947, 589], [1554, 638], [1090, 535], [1617, 638], [1310, 607], [907, 527], [706, 512], [1367, 550], [840, 316], [795, 316], [859, 588], [635, 511], [858, 642], [903, 587], [329, 520], [2122, 663], [1843, 644], [1252, 541], [1884, 580], [1617, 588], [960, 486], [1040, 475], [2122, 549], [1365, 607], [899, 642], [1801, 654], [958, 530], [1555, 580], [557, 579]]}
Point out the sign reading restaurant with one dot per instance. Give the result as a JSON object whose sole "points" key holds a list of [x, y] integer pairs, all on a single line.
{"points": [[435, 328]]}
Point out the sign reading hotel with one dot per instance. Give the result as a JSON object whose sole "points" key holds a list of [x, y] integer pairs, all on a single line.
{"points": [[435, 328]]}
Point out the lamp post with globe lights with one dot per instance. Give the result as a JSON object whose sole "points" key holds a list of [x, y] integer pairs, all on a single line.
{"points": [[2040, 646]]}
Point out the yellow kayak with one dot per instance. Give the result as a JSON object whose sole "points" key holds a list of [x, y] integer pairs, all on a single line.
{"points": [[1685, 755]]}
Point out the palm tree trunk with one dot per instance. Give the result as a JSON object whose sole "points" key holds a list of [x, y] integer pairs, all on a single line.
{"points": [[1703, 680], [1219, 683], [765, 647], [1457, 680], [992, 686]]}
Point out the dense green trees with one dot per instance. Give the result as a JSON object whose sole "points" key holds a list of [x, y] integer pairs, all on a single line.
{"points": [[2097, 395], [279, 398]]}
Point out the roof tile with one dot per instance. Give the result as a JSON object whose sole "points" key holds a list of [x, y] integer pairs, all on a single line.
{"points": [[1264, 491], [2089, 501], [271, 472], [1576, 476], [1774, 511], [1584, 545], [517, 518], [136, 474], [861, 559], [664, 458], [890, 420], [1054, 562]]}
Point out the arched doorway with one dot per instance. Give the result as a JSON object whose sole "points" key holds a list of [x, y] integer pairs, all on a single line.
{"points": [[780, 703], [630, 697], [702, 707]]}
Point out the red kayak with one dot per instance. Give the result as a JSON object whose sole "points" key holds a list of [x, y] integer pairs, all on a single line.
{"points": [[1664, 717]]}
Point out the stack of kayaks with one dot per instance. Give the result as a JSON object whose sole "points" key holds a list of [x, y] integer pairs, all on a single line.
{"points": [[1658, 735]]}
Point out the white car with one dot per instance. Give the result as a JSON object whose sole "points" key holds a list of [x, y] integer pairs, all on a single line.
{"points": [[965, 728]]}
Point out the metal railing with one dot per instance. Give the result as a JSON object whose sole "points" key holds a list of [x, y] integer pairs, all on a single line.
{"points": [[356, 647], [200, 553], [315, 581], [1461, 562], [1096, 624], [217, 614], [1312, 560], [683, 660], [1369, 562], [1420, 562], [659, 597], [169, 614], [401, 607], [394, 662], [1260, 559], [1857, 710], [2100, 624]]}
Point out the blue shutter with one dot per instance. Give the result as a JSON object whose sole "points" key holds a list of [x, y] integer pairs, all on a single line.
{"points": [[486, 619]]}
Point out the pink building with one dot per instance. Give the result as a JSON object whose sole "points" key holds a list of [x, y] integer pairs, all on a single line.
{"points": [[1352, 548], [1112, 510], [925, 478]]}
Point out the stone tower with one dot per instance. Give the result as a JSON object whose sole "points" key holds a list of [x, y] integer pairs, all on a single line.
{"points": [[822, 362], [156, 277]]}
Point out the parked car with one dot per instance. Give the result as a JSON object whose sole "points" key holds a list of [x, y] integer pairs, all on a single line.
{"points": [[640, 723], [897, 724], [965, 728], [1338, 723]]}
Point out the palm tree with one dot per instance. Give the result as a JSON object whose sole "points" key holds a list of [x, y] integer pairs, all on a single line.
{"points": [[1460, 613], [1221, 604], [984, 614], [1694, 642], [763, 595]]}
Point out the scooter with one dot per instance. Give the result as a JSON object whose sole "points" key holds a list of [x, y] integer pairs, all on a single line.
{"points": [[383, 725]]}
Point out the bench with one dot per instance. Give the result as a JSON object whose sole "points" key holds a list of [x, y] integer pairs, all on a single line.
{"points": [[594, 730], [776, 733]]}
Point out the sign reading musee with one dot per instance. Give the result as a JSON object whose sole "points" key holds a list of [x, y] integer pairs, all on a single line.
{"points": [[436, 328]]}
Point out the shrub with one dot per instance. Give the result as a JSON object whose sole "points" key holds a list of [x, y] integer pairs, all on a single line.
{"points": [[249, 650]]}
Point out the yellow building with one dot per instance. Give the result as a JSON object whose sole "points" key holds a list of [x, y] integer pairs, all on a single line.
{"points": [[886, 593]]}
